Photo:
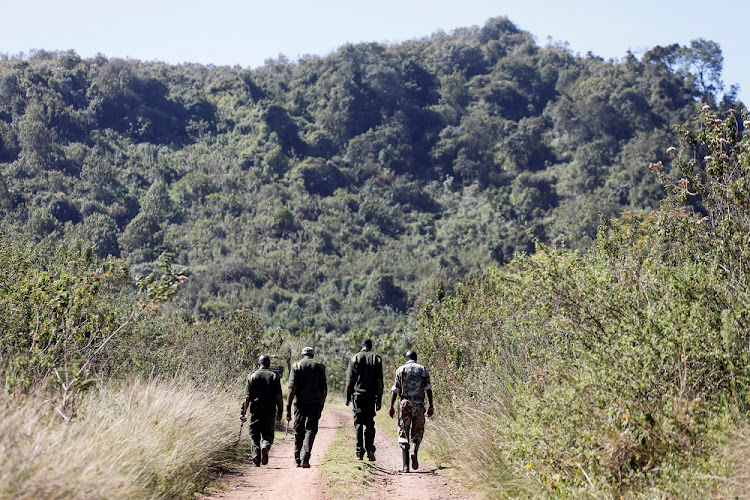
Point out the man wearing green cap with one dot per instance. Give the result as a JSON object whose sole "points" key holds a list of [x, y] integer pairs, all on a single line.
{"points": [[308, 389]]}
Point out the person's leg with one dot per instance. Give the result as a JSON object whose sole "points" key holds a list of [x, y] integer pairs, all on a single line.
{"points": [[417, 433], [299, 433], [266, 431], [254, 430], [368, 422], [311, 430], [358, 426], [404, 428]]}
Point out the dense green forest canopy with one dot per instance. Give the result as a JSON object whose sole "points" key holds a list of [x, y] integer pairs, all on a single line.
{"points": [[335, 192]]}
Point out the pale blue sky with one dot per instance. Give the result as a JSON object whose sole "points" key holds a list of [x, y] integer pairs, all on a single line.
{"points": [[246, 33]]}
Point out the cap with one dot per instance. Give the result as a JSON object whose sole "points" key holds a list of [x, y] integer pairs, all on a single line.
{"points": [[307, 351]]}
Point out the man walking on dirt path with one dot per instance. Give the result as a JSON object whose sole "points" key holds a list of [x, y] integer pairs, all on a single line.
{"points": [[308, 389], [265, 402], [411, 384], [364, 388]]}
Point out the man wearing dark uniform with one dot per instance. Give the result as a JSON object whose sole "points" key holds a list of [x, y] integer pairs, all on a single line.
{"points": [[264, 400], [412, 383], [364, 388], [308, 389]]}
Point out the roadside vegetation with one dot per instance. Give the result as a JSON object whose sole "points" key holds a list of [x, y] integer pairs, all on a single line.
{"points": [[130, 439], [619, 371]]}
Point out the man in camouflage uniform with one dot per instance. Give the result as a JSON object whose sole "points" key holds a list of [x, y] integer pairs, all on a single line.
{"points": [[308, 389], [263, 397], [412, 383], [364, 387]]}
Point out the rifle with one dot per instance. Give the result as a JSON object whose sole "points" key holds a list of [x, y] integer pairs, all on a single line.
{"points": [[239, 436]]}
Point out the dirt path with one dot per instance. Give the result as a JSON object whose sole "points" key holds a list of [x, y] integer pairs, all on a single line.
{"points": [[281, 479], [389, 482]]}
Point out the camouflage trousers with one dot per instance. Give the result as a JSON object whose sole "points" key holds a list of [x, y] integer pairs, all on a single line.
{"points": [[410, 422]]}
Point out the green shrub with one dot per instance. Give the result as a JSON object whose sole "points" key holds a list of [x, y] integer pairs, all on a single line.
{"points": [[611, 372]]}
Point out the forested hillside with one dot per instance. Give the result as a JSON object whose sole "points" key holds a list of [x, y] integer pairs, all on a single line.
{"points": [[335, 192]]}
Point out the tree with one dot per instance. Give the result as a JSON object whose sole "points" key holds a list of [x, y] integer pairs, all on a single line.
{"points": [[142, 238], [156, 202], [705, 59], [100, 231], [382, 292]]}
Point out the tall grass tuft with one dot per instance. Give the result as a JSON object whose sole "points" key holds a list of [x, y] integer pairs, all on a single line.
{"points": [[135, 439]]}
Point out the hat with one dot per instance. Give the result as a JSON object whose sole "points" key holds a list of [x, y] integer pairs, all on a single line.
{"points": [[307, 351]]}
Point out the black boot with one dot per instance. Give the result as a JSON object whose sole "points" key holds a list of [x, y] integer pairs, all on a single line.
{"points": [[405, 459], [414, 460]]}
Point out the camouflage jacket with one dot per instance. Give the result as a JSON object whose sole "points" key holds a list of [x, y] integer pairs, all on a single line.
{"points": [[412, 382]]}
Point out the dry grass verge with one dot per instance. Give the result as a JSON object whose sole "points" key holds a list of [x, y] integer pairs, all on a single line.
{"points": [[136, 439]]}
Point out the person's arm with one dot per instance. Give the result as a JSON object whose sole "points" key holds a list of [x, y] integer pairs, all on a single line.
{"points": [[428, 390], [349, 382], [378, 383], [292, 392], [244, 408], [246, 403], [279, 399], [395, 391], [323, 390]]}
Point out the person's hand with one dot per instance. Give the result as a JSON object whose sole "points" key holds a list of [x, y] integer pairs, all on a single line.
{"points": [[377, 406], [288, 415], [430, 411], [348, 401], [278, 417], [391, 412], [243, 419]]}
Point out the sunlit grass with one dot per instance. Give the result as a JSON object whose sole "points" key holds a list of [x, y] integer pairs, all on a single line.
{"points": [[347, 477], [133, 440]]}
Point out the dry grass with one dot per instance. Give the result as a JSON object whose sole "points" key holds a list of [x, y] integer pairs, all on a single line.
{"points": [[133, 440], [737, 457], [466, 443]]}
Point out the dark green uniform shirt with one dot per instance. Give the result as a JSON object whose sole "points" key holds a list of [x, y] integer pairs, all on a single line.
{"points": [[365, 375], [308, 379], [263, 387]]}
